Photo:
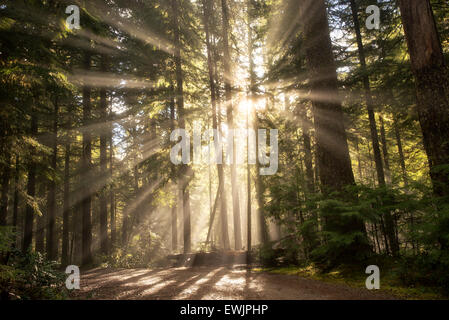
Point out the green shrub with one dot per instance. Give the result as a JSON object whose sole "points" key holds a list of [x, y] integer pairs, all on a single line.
{"points": [[31, 276]]}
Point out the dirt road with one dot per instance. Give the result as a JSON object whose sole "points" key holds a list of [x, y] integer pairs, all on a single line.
{"points": [[216, 283]]}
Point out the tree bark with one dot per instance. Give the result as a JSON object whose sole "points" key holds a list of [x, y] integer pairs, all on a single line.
{"points": [[400, 150], [51, 195], [15, 211], [334, 163], [5, 188], [174, 209], [432, 87], [230, 122], [383, 136], [186, 172], [221, 194], [86, 164], [305, 127], [104, 245], [66, 202], [31, 187], [368, 97], [111, 192]]}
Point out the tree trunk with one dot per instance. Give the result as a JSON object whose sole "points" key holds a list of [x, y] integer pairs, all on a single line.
{"points": [[51, 195], [86, 163], [31, 187], [220, 169], [252, 89], [334, 163], [368, 97], [359, 159], [66, 205], [103, 168], [5, 188], [305, 127], [385, 149], [262, 224], [186, 172], [174, 209], [15, 211], [400, 150], [5, 169], [432, 87], [230, 122], [40, 220], [111, 192]]}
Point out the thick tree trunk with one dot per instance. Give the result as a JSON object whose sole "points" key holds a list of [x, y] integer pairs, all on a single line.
{"points": [[104, 245], [66, 203], [51, 195], [332, 147], [220, 169], [31, 188], [86, 164], [230, 122], [186, 172], [432, 87]]}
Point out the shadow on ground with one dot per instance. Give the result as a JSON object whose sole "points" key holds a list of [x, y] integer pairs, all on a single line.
{"points": [[211, 283]]}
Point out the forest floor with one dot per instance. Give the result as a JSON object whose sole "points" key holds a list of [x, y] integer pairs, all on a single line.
{"points": [[212, 283]]}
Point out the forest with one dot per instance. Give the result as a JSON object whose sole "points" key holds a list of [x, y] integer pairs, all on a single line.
{"points": [[151, 143]]}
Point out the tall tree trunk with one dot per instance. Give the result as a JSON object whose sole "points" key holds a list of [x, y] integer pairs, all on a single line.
{"points": [[220, 169], [359, 160], [186, 171], [400, 149], [260, 188], [252, 84], [5, 188], [432, 87], [332, 147], [383, 136], [103, 167], [66, 205], [86, 163], [230, 122], [174, 209], [31, 187], [373, 127], [15, 210], [40, 220], [111, 191], [305, 127], [51, 195], [368, 97]]}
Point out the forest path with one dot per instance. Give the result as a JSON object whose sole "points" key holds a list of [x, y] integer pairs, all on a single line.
{"points": [[215, 283]]}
